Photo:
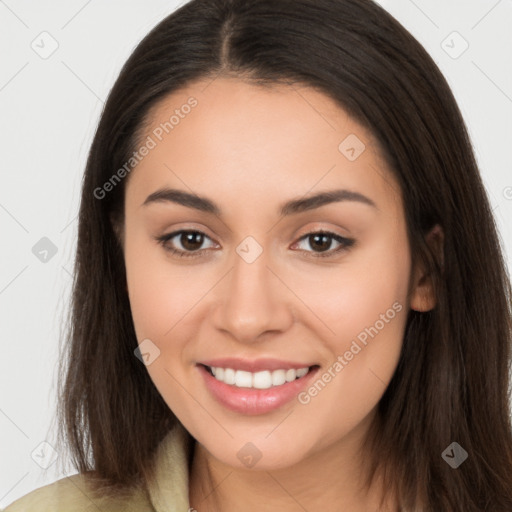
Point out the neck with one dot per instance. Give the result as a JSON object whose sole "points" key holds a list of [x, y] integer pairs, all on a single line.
{"points": [[328, 480]]}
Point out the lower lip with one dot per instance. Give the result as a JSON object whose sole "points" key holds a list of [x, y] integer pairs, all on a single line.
{"points": [[252, 401]]}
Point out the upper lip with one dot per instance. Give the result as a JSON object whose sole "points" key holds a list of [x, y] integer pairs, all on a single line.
{"points": [[254, 365]]}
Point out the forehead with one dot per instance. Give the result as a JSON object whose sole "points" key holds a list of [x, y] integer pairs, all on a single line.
{"points": [[249, 144]]}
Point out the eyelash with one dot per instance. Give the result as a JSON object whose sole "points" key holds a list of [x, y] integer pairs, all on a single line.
{"points": [[346, 243]]}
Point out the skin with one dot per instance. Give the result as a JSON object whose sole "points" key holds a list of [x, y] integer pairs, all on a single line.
{"points": [[249, 149]]}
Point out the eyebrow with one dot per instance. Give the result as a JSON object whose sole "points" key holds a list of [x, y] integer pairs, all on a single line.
{"points": [[294, 206]]}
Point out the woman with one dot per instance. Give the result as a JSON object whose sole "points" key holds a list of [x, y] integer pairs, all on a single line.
{"points": [[282, 299]]}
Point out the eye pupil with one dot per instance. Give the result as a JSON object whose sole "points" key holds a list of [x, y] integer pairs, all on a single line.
{"points": [[323, 242], [190, 238]]}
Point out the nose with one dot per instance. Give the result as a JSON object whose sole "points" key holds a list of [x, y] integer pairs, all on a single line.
{"points": [[253, 302]]}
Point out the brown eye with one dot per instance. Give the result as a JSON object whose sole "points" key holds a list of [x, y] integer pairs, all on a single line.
{"points": [[191, 240], [186, 243], [321, 242]]}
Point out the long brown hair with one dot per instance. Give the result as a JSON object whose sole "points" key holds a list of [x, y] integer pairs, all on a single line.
{"points": [[452, 380]]}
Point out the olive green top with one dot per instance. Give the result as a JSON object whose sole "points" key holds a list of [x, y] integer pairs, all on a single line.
{"points": [[169, 492]]}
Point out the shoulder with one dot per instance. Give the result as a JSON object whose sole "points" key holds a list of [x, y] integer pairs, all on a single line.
{"points": [[73, 493]]}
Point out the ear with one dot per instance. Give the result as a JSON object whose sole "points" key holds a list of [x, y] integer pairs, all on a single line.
{"points": [[422, 296]]}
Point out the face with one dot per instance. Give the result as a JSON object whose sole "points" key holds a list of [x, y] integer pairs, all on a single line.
{"points": [[299, 310]]}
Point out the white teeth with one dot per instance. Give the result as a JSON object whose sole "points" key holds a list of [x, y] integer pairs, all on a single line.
{"points": [[258, 380], [229, 376], [262, 380], [302, 371], [243, 379], [278, 377], [290, 375]]}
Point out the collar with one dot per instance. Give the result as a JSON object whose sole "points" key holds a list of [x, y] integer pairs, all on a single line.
{"points": [[169, 491]]}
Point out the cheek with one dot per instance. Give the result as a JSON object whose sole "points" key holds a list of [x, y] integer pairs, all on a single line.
{"points": [[366, 311], [363, 305], [351, 296], [161, 293], [160, 297]]}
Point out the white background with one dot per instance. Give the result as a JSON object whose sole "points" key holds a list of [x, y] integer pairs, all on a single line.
{"points": [[49, 109]]}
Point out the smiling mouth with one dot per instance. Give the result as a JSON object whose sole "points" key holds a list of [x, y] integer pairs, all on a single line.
{"points": [[257, 380]]}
